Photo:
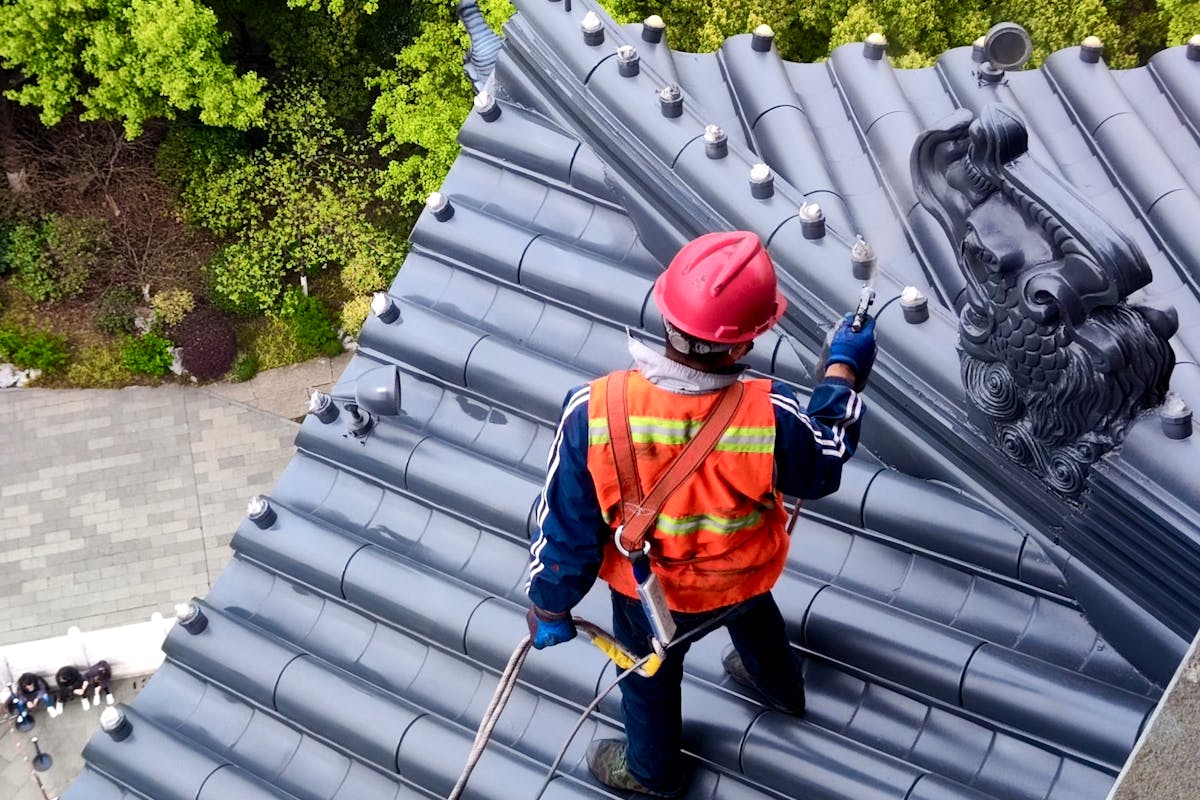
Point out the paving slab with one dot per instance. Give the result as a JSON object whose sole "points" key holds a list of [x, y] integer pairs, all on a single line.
{"points": [[118, 503], [285, 391], [1163, 763], [62, 737]]}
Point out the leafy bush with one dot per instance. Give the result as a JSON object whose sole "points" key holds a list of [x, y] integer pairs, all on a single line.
{"points": [[99, 368], [32, 349], [310, 322], [364, 275], [149, 354], [170, 306], [354, 314], [208, 342], [53, 260], [6, 233], [115, 310], [275, 346], [302, 201], [243, 282], [245, 367]]}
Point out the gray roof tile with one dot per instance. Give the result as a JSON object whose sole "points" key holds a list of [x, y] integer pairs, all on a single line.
{"points": [[352, 645]]}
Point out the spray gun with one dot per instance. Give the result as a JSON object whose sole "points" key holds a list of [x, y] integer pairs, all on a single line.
{"points": [[862, 258], [863, 262]]}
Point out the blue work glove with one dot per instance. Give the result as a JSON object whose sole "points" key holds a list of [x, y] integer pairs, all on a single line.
{"points": [[548, 628], [854, 349]]}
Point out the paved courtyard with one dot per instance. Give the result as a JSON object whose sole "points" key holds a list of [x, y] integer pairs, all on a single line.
{"points": [[116, 504]]}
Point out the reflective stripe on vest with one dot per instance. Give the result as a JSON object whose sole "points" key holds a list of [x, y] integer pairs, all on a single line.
{"points": [[720, 538]]}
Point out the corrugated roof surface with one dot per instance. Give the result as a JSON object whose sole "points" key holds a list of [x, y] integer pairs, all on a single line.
{"points": [[353, 644]]}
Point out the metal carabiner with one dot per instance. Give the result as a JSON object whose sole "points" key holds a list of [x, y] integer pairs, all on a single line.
{"points": [[621, 548]]}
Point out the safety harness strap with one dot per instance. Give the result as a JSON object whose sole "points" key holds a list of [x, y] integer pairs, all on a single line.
{"points": [[638, 511]]}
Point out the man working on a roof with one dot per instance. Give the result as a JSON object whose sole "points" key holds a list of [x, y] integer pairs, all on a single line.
{"points": [[719, 540]]}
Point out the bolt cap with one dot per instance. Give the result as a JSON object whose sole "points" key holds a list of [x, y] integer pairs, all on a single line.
{"points": [[654, 21], [876, 38], [591, 22], [760, 172], [380, 303], [258, 504], [1093, 42], [111, 718]]}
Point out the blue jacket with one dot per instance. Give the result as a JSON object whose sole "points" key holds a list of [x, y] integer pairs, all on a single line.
{"points": [[810, 447]]}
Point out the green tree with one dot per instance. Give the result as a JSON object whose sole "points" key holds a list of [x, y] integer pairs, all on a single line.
{"points": [[302, 202], [423, 101], [918, 31], [127, 60], [1182, 18]]}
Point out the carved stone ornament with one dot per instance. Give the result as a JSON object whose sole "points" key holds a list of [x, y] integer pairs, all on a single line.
{"points": [[1054, 361]]}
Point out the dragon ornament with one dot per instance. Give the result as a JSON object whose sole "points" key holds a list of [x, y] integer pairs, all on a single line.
{"points": [[1055, 361]]}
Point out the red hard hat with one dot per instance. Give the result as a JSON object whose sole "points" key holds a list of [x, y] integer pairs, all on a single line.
{"points": [[720, 287]]}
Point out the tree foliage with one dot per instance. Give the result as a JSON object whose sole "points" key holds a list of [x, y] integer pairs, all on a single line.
{"points": [[920, 30], [291, 139], [303, 202], [423, 101], [128, 60]]}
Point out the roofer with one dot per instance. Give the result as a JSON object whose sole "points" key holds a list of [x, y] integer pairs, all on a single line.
{"points": [[719, 541]]}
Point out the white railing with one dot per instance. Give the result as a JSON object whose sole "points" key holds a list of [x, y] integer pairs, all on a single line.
{"points": [[132, 651]]}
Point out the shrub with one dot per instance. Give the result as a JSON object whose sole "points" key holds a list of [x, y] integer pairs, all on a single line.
{"points": [[241, 282], [208, 344], [33, 349], [115, 309], [99, 368], [170, 306], [354, 314], [53, 260], [363, 275], [6, 233], [277, 347], [310, 322], [149, 354], [245, 367]]}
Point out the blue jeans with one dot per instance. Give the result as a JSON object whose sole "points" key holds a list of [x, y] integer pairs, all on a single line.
{"points": [[651, 706]]}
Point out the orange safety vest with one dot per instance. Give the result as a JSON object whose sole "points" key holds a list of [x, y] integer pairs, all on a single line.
{"points": [[721, 537]]}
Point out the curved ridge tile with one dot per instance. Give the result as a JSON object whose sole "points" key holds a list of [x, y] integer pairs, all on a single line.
{"points": [[1176, 74], [158, 764], [524, 139], [1175, 134], [779, 126], [887, 126], [1146, 174]]}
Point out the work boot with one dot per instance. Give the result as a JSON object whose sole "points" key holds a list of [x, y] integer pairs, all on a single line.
{"points": [[732, 662], [606, 760]]}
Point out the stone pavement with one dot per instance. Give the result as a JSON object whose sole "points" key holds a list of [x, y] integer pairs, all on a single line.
{"points": [[115, 504], [1163, 764], [63, 738], [285, 391]]}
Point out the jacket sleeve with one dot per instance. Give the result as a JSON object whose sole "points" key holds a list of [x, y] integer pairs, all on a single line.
{"points": [[812, 444], [568, 542]]}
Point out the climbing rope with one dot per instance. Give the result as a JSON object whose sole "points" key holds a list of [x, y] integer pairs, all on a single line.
{"points": [[646, 665], [504, 689]]}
